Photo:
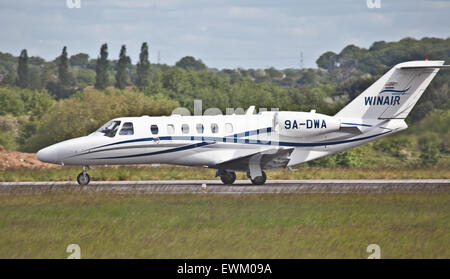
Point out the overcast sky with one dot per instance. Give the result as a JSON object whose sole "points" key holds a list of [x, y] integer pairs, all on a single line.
{"points": [[224, 34]]}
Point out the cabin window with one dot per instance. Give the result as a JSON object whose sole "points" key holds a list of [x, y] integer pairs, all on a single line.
{"points": [[229, 127], [200, 128], [185, 128], [110, 128], [214, 128], [127, 129], [154, 129], [170, 129]]}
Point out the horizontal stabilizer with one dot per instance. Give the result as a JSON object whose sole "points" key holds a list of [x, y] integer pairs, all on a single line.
{"points": [[426, 67]]}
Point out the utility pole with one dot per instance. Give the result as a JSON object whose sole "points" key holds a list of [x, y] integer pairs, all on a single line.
{"points": [[159, 57]]}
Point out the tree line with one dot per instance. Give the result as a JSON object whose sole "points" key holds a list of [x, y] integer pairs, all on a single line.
{"points": [[36, 94], [65, 85]]}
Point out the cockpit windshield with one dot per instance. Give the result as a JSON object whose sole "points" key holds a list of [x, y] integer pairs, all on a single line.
{"points": [[110, 128]]}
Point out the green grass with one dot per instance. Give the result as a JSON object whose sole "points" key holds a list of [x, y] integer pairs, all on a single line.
{"points": [[174, 172], [404, 225]]}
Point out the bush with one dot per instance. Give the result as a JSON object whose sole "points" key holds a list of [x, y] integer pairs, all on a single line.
{"points": [[398, 146], [349, 158], [11, 102], [445, 145], [10, 127], [429, 149], [8, 141], [327, 161], [17, 101]]}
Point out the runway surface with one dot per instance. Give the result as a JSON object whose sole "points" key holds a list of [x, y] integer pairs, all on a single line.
{"points": [[239, 187]]}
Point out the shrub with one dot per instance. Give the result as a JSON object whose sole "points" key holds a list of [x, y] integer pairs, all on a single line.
{"points": [[429, 149], [349, 158], [327, 161], [397, 145], [8, 141]]}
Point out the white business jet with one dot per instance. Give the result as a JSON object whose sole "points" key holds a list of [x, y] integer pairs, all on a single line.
{"points": [[251, 142]]}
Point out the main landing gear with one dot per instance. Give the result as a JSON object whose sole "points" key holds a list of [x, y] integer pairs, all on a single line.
{"points": [[229, 177], [83, 178], [259, 180]]}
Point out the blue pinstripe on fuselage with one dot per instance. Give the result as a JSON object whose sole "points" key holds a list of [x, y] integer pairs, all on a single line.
{"points": [[235, 138]]}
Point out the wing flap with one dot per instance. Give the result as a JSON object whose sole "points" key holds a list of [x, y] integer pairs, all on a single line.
{"points": [[269, 159]]}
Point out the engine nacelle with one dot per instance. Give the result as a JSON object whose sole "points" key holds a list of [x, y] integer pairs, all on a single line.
{"points": [[305, 124]]}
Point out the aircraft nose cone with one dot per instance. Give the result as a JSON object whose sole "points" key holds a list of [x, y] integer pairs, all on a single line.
{"points": [[48, 155]]}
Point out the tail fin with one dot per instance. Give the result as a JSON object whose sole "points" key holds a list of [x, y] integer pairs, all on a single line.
{"points": [[393, 95]]}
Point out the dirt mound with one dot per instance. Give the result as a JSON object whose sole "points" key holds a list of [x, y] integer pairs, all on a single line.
{"points": [[17, 160]]}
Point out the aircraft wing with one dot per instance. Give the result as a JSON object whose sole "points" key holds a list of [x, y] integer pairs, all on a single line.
{"points": [[269, 159]]}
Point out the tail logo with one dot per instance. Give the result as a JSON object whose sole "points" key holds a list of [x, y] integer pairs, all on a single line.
{"points": [[382, 100], [386, 100], [390, 87]]}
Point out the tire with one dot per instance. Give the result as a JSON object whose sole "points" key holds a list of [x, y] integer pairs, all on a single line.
{"points": [[228, 178], [260, 180], [83, 179]]}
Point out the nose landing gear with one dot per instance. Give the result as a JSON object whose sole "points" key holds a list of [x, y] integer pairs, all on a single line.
{"points": [[83, 178]]}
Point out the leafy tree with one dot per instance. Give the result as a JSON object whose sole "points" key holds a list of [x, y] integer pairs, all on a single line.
{"points": [[22, 70], [421, 110], [353, 87], [189, 63], [11, 102], [80, 59], [10, 78], [327, 60], [34, 79], [143, 68], [274, 73], [46, 74], [17, 101], [62, 87], [85, 77], [121, 75], [101, 69]]}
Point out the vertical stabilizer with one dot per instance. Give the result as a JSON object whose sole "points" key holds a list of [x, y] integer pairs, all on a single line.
{"points": [[393, 95]]}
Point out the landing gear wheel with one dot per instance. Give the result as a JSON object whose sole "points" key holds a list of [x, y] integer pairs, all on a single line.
{"points": [[83, 178], [228, 178], [259, 180]]}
